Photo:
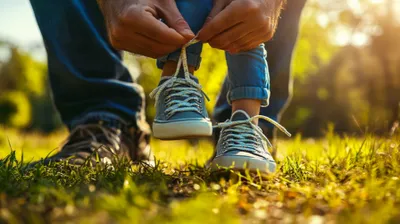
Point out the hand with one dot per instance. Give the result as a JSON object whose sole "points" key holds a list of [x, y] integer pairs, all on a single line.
{"points": [[240, 25], [135, 26]]}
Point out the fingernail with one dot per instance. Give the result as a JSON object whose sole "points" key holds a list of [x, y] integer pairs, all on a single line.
{"points": [[188, 32]]}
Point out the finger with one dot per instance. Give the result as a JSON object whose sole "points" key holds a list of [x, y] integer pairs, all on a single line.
{"points": [[147, 46], [137, 49], [249, 42], [225, 39], [145, 52], [153, 28], [227, 18], [238, 44], [174, 19], [133, 37], [153, 45], [219, 5]]}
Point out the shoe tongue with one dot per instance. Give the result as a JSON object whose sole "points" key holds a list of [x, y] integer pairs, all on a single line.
{"points": [[239, 115], [180, 75]]}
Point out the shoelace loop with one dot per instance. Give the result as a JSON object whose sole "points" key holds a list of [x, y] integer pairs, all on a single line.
{"points": [[242, 136], [181, 87]]}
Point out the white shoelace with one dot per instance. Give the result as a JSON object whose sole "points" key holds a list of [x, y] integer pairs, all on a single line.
{"points": [[177, 87], [244, 134]]}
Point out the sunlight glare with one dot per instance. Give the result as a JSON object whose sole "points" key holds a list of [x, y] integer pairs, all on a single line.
{"points": [[360, 39], [354, 5], [342, 38], [376, 1]]}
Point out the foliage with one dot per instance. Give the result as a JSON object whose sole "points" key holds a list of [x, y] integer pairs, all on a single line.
{"points": [[314, 46], [353, 86], [24, 96], [15, 109], [344, 180], [23, 73]]}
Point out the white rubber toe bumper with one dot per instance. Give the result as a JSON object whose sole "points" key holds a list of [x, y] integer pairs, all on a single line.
{"points": [[243, 163], [182, 129]]}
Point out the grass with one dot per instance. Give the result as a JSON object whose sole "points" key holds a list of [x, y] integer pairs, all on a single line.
{"points": [[332, 180]]}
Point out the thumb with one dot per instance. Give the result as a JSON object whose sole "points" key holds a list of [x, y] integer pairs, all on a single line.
{"points": [[174, 19]]}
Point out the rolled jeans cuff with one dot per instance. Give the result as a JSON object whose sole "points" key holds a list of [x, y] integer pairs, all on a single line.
{"points": [[256, 93], [193, 59]]}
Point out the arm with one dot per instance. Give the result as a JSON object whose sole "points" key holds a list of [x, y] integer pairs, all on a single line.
{"points": [[134, 26], [240, 25]]}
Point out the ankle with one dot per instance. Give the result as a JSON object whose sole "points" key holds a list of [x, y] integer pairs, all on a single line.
{"points": [[170, 68], [250, 106]]}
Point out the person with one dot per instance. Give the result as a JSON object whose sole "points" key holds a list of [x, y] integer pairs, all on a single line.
{"points": [[104, 108]]}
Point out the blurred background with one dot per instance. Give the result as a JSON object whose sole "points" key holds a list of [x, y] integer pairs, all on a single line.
{"points": [[346, 70]]}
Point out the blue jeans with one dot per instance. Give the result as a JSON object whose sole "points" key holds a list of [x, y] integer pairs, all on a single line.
{"points": [[87, 74], [248, 75]]}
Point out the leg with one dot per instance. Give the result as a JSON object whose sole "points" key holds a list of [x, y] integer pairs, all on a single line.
{"points": [[241, 143], [86, 73], [89, 82], [195, 13], [248, 79], [280, 50], [180, 103], [279, 59]]}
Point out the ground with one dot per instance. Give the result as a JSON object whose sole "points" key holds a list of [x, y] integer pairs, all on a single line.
{"points": [[331, 180]]}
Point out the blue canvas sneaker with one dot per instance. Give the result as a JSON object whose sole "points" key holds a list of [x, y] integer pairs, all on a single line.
{"points": [[180, 106], [242, 145]]}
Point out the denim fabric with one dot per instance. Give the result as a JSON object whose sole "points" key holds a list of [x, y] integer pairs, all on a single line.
{"points": [[86, 73], [195, 13], [248, 71], [248, 76]]}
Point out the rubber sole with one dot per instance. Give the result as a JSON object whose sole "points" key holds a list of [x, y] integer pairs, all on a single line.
{"points": [[182, 130], [242, 163]]}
